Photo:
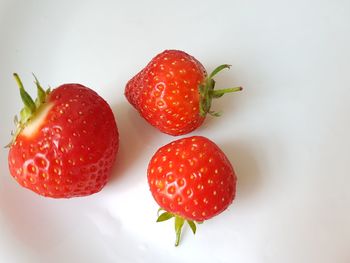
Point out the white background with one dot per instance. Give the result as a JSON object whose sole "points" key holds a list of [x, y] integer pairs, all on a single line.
{"points": [[287, 133]]}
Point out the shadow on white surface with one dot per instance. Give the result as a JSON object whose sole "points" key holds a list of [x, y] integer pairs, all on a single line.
{"points": [[74, 230], [27, 219], [245, 163], [286, 133], [136, 137]]}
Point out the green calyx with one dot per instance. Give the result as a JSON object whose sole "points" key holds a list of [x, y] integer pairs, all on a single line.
{"points": [[30, 106], [207, 92], [179, 223]]}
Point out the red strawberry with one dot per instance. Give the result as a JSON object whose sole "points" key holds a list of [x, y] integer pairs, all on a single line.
{"points": [[192, 180], [65, 143], [174, 93]]}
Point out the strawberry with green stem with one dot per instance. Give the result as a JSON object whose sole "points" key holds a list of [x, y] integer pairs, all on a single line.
{"points": [[65, 142], [173, 92], [192, 180]]}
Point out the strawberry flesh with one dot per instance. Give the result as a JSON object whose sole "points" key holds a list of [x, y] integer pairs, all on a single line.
{"points": [[73, 149], [166, 92], [192, 178]]}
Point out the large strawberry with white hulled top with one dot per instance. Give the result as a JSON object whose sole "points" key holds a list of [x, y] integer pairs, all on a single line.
{"points": [[65, 142]]}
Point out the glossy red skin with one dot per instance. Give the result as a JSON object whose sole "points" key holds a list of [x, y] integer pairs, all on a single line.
{"points": [[192, 178], [74, 149], [166, 92]]}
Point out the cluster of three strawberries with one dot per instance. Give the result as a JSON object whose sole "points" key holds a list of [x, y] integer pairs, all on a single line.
{"points": [[66, 141]]}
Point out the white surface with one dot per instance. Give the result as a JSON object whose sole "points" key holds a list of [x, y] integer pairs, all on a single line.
{"points": [[287, 134]]}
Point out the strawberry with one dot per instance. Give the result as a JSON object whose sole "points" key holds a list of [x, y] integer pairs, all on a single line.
{"points": [[65, 143], [173, 92], [192, 180]]}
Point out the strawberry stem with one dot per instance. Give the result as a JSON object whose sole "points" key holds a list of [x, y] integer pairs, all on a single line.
{"points": [[207, 92]]}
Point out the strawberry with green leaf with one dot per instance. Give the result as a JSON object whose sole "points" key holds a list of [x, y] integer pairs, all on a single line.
{"points": [[192, 180], [65, 142], [174, 93]]}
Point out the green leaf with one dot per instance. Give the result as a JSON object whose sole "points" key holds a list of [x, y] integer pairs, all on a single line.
{"points": [[26, 98], [165, 216], [192, 226], [207, 92], [218, 69], [10, 143], [179, 222], [25, 114], [15, 120], [41, 92], [30, 106], [205, 97], [160, 210], [201, 88], [215, 114]]}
